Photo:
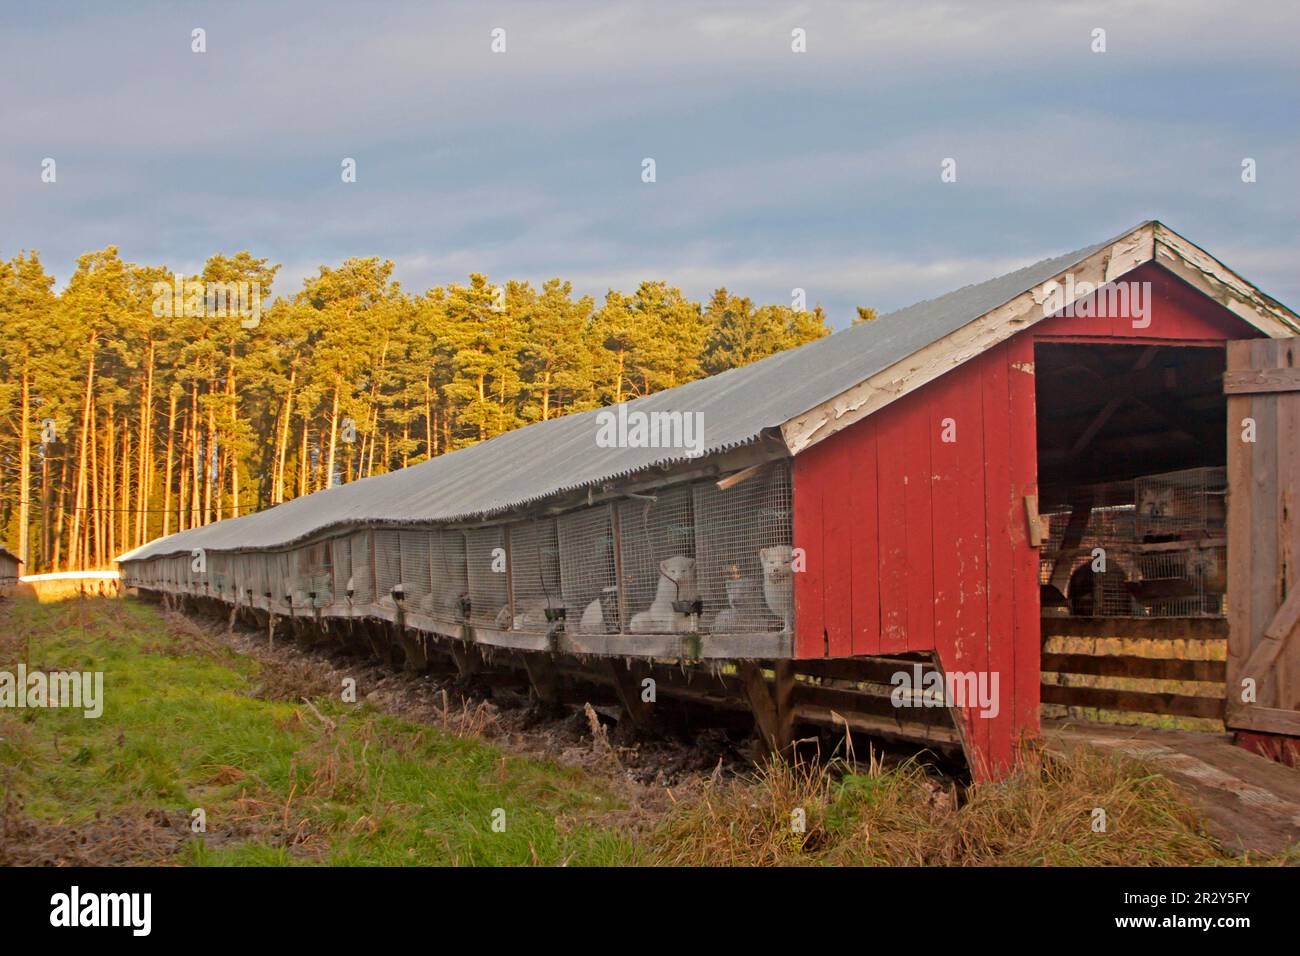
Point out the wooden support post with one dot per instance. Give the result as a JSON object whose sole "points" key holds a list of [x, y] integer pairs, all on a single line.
{"points": [[542, 677], [417, 660], [627, 684], [466, 661], [771, 704]]}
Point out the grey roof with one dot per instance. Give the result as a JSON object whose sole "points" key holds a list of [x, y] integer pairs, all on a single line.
{"points": [[552, 457]]}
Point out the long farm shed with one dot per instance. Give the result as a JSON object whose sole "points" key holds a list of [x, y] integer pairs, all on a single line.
{"points": [[884, 530]]}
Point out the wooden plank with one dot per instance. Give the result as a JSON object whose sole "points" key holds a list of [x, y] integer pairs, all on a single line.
{"points": [[918, 501], [880, 726], [1129, 666], [864, 542], [839, 527], [1000, 611], [1138, 628], [891, 472], [1271, 720], [1025, 559], [1146, 702], [949, 549], [1266, 570], [878, 670], [858, 702], [1258, 380], [809, 600], [725, 484], [1287, 667]]}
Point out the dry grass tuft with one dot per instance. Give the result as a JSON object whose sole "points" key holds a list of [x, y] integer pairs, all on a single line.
{"points": [[834, 813]]}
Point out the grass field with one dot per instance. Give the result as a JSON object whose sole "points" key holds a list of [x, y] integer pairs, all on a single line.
{"points": [[287, 772]]}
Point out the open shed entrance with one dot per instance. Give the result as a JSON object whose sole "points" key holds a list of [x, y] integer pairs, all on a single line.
{"points": [[1133, 565]]}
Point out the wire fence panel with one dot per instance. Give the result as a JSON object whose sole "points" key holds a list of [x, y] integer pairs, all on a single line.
{"points": [[657, 540], [414, 547], [1150, 547], [342, 561], [363, 584], [485, 560], [535, 574], [588, 581], [447, 570], [743, 549], [388, 563]]}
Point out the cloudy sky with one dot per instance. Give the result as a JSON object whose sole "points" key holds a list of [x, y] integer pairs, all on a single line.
{"points": [[775, 169]]}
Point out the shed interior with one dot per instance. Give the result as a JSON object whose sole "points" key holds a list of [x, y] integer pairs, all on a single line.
{"points": [[1132, 481]]}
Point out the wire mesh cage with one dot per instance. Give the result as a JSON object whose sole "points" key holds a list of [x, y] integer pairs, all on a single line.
{"points": [[342, 568], [447, 573], [534, 548], [485, 563], [363, 583], [588, 579], [254, 576], [413, 549], [743, 550], [1181, 504], [388, 563], [660, 585], [1150, 547], [281, 579]]}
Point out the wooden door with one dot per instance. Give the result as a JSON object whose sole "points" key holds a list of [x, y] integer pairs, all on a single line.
{"points": [[1262, 383]]}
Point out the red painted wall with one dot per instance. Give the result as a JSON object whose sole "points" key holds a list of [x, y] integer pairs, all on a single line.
{"points": [[917, 544]]}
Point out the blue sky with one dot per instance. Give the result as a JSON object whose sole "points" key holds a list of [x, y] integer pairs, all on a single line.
{"points": [[775, 170]]}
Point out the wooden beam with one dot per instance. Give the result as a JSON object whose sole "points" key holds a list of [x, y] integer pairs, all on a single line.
{"points": [[1117, 665], [1255, 381], [1272, 720], [1145, 702], [1138, 628], [741, 476]]}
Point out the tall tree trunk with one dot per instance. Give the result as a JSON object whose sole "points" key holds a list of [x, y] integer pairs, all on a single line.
{"points": [[79, 500], [58, 515], [144, 465], [96, 506], [303, 461], [334, 432], [196, 471], [24, 469], [167, 480], [283, 439], [234, 423], [110, 487], [209, 452], [126, 488]]}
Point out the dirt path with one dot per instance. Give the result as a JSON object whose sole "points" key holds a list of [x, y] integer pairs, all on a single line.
{"points": [[1250, 803]]}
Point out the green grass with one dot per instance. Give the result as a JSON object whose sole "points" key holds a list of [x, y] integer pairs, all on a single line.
{"points": [[182, 729]]}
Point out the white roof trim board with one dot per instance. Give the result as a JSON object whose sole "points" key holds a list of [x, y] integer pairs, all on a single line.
{"points": [[805, 395]]}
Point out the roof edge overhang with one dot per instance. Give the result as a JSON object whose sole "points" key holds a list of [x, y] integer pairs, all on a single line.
{"points": [[1150, 242]]}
